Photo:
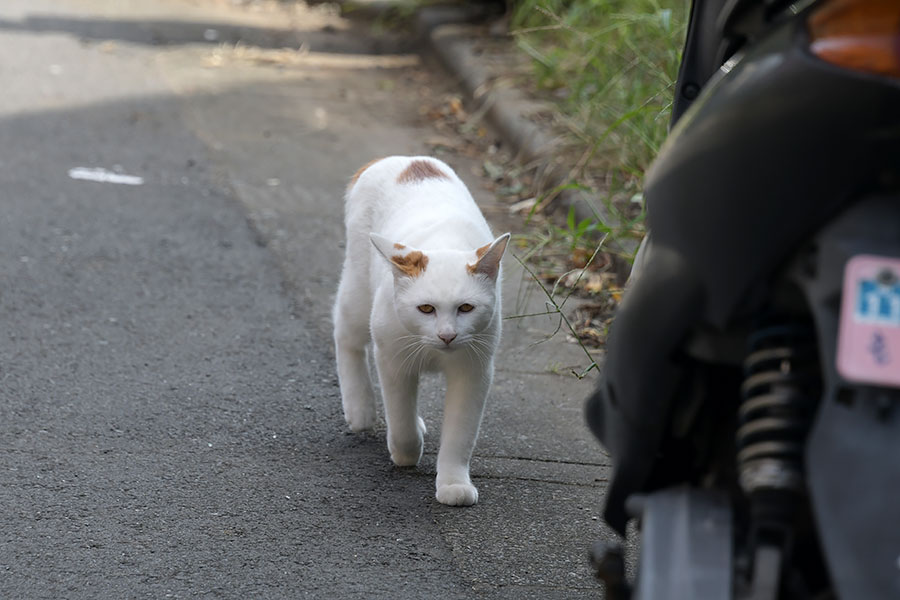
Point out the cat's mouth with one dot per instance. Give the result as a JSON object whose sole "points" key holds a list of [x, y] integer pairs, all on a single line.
{"points": [[451, 347]]}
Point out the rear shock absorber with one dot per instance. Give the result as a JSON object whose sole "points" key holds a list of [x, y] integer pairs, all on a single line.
{"points": [[779, 396]]}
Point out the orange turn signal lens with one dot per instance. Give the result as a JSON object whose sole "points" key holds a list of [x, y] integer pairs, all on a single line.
{"points": [[863, 35]]}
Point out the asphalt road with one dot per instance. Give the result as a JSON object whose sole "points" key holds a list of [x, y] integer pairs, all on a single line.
{"points": [[170, 420]]}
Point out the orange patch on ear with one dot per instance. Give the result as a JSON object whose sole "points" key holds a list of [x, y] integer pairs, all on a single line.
{"points": [[419, 170], [399, 246], [480, 252], [361, 170], [413, 264]]}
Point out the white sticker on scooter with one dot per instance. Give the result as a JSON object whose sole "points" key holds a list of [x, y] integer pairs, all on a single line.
{"points": [[869, 334]]}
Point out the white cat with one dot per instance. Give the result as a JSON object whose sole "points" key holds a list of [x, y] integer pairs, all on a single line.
{"points": [[421, 282]]}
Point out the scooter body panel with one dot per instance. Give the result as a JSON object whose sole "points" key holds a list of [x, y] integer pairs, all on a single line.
{"points": [[777, 145], [853, 450]]}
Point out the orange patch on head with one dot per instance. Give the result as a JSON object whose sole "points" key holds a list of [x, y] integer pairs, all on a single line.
{"points": [[399, 246], [413, 264], [480, 252], [419, 170], [361, 170]]}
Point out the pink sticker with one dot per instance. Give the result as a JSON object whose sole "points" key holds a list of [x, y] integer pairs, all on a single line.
{"points": [[869, 335]]}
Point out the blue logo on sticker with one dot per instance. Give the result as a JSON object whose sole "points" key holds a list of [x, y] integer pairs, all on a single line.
{"points": [[878, 303]]}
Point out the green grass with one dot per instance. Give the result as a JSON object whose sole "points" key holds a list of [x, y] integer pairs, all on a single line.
{"points": [[609, 67]]}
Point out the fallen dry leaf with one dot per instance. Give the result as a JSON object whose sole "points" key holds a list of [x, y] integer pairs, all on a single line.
{"points": [[523, 205]]}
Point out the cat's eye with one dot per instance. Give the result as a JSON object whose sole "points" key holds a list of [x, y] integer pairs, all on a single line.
{"points": [[466, 307], [426, 308]]}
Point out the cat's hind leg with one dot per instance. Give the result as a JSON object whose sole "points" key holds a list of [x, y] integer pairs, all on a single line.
{"points": [[351, 336]]}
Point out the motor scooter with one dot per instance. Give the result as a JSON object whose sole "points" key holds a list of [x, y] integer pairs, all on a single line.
{"points": [[750, 397]]}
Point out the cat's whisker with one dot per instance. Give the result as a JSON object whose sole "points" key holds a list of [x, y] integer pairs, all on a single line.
{"points": [[483, 346], [414, 353], [409, 359], [421, 355], [473, 350], [408, 342], [404, 350], [482, 350], [473, 347]]}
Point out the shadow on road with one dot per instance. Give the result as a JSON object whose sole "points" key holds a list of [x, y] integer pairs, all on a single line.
{"points": [[171, 33]]}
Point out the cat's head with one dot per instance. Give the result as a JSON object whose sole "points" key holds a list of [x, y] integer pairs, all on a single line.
{"points": [[445, 298]]}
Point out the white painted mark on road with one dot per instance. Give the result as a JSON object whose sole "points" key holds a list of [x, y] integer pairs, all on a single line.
{"points": [[104, 176]]}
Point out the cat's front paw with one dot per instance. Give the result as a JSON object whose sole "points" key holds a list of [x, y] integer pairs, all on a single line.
{"points": [[457, 494], [359, 418], [406, 454]]}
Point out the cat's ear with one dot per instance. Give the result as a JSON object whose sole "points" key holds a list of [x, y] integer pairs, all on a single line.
{"points": [[489, 256], [405, 260]]}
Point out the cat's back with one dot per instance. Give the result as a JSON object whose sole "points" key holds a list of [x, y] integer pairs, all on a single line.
{"points": [[408, 185], [417, 201], [393, 173]]}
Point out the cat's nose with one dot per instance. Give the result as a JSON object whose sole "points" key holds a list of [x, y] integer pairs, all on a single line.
{"points": [[447, 337]]}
